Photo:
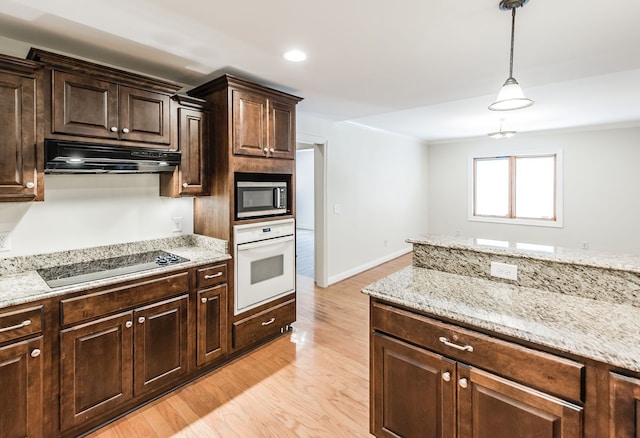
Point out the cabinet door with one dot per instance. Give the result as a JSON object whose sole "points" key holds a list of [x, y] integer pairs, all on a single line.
{"points": [[412, 391], [212, 324], [17, 138], [492, 407], [249, 120], [192, 143], [21, 382], [82, 105], [160, 352], [282, 136], [95, 368], [144, 116], [625, 407]]}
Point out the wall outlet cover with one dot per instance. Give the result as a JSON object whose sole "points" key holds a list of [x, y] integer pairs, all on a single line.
{"points": [[177, 224], [5, 242], [504, 270]]}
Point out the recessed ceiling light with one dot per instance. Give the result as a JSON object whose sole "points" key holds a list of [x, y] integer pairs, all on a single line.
{"points": [[295, 56]]}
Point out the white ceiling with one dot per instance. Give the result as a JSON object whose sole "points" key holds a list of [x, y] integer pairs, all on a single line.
{"points": [[423, 68]]}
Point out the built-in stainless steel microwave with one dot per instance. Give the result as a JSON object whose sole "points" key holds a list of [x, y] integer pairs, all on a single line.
{"points": [[260, 198]]}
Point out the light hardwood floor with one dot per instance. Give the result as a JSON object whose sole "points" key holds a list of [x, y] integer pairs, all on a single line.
{"points": [[313, 382]]}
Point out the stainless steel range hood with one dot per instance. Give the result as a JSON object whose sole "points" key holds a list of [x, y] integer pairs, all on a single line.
{"points": [[75, 157]]}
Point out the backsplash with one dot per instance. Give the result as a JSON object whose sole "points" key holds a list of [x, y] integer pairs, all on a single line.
{"points": [[610, 278]]}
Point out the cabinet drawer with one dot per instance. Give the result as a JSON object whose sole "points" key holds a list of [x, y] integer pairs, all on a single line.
{"points": [[544, 371], [122, 297], [264, 324], [212, 275], [19, 323]]}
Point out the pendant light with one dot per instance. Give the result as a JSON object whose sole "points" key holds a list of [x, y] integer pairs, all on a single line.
{"points": [[502, 134], [511, 96]]}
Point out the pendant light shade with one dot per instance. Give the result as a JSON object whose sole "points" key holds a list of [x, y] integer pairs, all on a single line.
{"points": [[511, 97]]}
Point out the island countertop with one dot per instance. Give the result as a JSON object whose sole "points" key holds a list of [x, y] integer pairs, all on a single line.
{"points": [[20, 282], [603, 331]]}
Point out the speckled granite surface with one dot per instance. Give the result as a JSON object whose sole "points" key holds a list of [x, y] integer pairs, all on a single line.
{"points": [[594, 329], [20, 283], [605, 277]]}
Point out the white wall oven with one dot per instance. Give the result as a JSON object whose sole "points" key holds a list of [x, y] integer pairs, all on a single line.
{"points": [[264, 262]]}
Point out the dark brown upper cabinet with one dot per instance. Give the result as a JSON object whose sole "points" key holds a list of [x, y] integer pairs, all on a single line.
{"points": [[21, 174], [90, 102]]}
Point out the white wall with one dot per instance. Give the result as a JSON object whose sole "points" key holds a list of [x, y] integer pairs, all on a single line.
{"points": [[379, 181], [304, 188], [82, 211], [601, 183]]}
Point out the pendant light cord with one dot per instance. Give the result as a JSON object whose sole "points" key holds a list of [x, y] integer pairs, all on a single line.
{"points": [[513, 31]]}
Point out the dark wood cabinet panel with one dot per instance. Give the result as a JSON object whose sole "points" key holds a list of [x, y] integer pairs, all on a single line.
{"points": [[624, 406], [212, 324], [192, 142], [21, 382], [492, 407], [282, 125], [95, 368], [249, 120], [18, 165], [160, 344], [83, 105], [413, 391], [144, 116]]}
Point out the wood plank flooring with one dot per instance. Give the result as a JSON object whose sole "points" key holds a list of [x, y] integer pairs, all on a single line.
{"points": [[305, 252], [312, 382]]}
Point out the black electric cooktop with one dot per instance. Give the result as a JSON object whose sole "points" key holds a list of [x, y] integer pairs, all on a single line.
{"points": [[65, 275]]}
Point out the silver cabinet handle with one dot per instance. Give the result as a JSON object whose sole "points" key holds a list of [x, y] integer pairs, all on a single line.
{"points": [[30, 185], [114, 129], [446, 342], [203, 300], [210, 276], [35, 353], [128, 324], [185, 185], [141, 320], [266, 150], [463, 383], [446, 376], [272, 150], [125, 130], [271, 321], [24, 323]]}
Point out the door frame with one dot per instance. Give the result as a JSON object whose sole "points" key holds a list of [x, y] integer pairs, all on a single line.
{"points": [[320, 155]]}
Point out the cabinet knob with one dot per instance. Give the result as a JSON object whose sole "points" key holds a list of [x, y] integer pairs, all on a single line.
{"points": [[446, 376], [128, 324], [266, 150], [114, 129], [141, 320], [272, 150], [125, 130], [463, 383], [30, 185], [185, 185], [35, 353], [203, 300]]}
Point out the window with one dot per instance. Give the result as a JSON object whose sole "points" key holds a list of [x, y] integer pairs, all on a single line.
{"points": [[519, 189]]}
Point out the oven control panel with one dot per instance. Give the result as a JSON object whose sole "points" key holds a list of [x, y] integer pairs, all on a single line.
{"points": [[263, 230]]}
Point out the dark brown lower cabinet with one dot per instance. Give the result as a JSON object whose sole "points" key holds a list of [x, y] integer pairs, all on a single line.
{"points": [[107, 362], [624, 406], [21, 402], [212, 318]]}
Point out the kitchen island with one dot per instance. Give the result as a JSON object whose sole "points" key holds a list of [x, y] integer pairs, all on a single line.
{"points": [[556, 350]]}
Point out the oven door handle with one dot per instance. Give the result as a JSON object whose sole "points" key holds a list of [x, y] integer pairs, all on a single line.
{"points": [[263, 243]]}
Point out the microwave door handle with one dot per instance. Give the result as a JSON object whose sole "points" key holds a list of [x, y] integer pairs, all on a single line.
{"points": [[263, 243], [276, 198]]}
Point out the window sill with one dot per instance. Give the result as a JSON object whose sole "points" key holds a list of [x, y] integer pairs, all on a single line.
{"points": [[526, 222]]}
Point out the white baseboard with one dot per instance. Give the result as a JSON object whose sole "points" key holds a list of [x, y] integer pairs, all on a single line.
{"points": [[351, 272], [305, 227]]}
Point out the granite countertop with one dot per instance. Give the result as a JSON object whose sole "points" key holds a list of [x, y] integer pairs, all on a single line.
{"points": [[594, 329], [596, 259], [20, 283]]}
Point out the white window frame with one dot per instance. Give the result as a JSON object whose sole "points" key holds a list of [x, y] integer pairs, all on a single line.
{"points": [[557, 223]]}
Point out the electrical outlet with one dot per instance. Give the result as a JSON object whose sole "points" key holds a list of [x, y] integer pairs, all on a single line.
{"points": [[585, 245], [5, 242], [177, 224], [503, 270]]}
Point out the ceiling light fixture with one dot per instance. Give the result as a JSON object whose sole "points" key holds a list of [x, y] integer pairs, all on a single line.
{"points": [[295, 56], [511, 96], [502, 134]]}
